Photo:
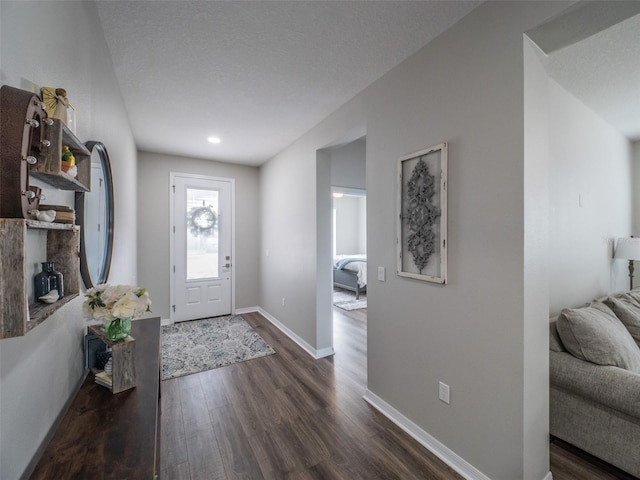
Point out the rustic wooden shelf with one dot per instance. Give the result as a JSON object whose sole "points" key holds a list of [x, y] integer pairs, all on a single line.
{"points": [[17, 317], [51, 225], [49, 165], [27, 137], [122, 355], [39, 312]]}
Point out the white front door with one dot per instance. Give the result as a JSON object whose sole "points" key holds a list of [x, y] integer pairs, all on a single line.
{"points": [[201, 231]]}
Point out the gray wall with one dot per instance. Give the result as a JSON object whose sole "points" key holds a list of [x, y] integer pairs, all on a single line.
{"points": [[350, 218], [349, 164], [591, 202], [61, 44], [465, 88], [153, 229]]}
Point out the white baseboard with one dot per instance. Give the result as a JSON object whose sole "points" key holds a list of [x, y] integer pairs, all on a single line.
{"points": [[444, 453], [549, 476], [324, 352], [317, 354], [240, 311]]}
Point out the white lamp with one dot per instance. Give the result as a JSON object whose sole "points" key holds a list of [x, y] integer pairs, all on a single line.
{"points": [[628, 249]]}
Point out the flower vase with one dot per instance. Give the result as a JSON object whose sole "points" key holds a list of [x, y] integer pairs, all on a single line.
{"points": [[117, 329]]}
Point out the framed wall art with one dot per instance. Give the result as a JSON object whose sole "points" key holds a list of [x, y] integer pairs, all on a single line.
{"points": [[422, 215]]}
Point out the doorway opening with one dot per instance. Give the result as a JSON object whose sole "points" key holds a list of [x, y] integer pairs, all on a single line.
{"points": [[349, 248], [341, 213]]}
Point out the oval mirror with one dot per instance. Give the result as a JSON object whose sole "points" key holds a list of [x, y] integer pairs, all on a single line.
{"points": [[94, 214]]}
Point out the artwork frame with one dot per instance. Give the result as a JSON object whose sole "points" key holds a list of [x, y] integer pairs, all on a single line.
{"points": [[422, 215]]}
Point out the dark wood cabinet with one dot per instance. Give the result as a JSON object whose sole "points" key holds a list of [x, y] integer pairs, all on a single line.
{"points": [[111, 436]]}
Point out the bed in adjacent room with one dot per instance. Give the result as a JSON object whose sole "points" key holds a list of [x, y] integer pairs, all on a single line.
{"points": [[350, 273]]}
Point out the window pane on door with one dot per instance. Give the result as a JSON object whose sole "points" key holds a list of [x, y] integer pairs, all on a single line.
{"points": [[202, 234]]}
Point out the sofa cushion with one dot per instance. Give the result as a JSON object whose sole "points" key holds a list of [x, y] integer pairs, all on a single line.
{"points": [[627, 309], [595, 334], [555, 344]]}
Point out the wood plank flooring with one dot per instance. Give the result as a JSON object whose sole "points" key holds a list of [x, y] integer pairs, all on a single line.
{"points": [[288, 416], [571, 463]]}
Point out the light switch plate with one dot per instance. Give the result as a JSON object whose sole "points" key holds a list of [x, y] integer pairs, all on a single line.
{"points": [[443, 393], [381, 274]]}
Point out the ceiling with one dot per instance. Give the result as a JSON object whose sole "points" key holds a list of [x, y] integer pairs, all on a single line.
{"points": [[259, 74], [603, 71], [256, 74]]}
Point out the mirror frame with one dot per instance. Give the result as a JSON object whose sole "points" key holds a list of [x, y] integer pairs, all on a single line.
{"points": [[87, 279]]}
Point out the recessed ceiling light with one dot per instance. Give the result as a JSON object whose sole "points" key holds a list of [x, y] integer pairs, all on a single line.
{"points": [[213, 140]]}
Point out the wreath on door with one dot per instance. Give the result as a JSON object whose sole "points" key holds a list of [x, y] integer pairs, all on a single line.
{"points": [[202, 221]]}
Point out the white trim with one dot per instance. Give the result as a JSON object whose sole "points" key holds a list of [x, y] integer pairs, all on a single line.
{"points": [[240, 311], [172, 183], [548, 476], [353, 192], [172, 241], [324, 352], [440, 450], [317, 354]]}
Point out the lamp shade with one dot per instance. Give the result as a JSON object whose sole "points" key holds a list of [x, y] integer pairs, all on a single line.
{"points": [[628, 248]]}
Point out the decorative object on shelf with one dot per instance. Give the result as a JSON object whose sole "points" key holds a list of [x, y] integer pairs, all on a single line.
{"points": [[422, 215], [68, 160], [108, 367], [57, 105], [628, 249], [64, 213], [24, 143], [117, 329], [48, 280], [51, 297], [103, 357], [44, 215], [116, 306]]}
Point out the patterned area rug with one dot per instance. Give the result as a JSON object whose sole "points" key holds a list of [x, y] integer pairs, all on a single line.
{"points": [[346, 300], [199, 345]]}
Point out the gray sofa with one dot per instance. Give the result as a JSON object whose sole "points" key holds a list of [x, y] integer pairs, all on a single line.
{"points": [[595, 379]]}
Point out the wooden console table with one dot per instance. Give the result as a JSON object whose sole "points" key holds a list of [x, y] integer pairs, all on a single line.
{"points": [[107, 436]]}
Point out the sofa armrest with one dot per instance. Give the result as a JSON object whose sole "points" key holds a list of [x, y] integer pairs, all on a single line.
{"points": [[613, 387]]}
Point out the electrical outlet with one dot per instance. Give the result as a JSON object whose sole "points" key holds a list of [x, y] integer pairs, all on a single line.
{"points": [[283, 302], [443, 393]]}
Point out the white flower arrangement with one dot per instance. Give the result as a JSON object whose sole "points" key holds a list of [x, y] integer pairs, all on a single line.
{"points": [[106, 302]]}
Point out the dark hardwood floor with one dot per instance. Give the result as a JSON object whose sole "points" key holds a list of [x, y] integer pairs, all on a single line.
{"points": [[288, 416], [571, 463]]}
